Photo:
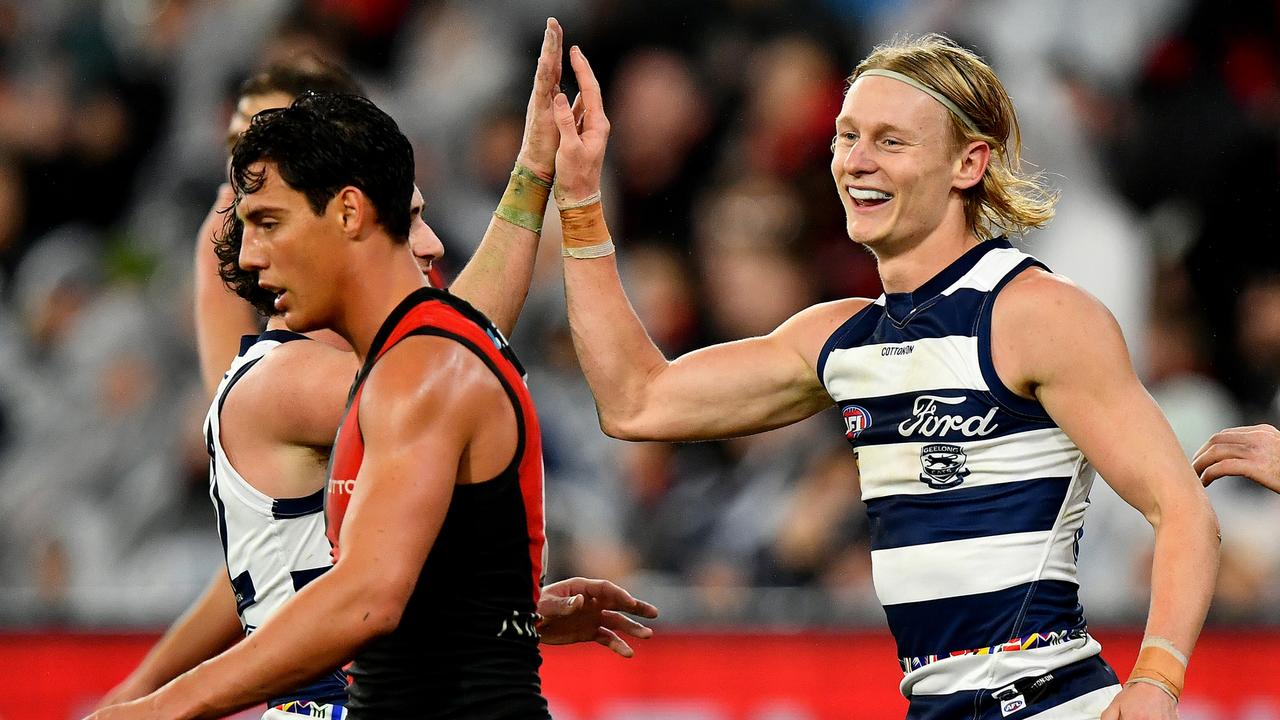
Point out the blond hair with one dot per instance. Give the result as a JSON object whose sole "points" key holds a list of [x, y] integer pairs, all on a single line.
{"points": [[1007, 199]]}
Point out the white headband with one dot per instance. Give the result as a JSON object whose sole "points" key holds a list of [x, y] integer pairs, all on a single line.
{"points": [[946, 101]]}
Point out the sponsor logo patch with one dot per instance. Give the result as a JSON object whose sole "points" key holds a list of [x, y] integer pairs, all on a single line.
{"points": [[856, 420], [942, 465], [925, 419], [1011, 701]]}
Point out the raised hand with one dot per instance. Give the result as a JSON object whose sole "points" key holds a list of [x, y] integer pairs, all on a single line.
{"points": [[582, 610], [541, 138], [584, 133]]}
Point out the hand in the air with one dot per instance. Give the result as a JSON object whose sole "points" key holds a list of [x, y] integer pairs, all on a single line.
{"points": [[584, 133], [541, 137]]}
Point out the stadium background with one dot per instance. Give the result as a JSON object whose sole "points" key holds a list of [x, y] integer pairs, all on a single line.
{"points": [[1158, 119]]}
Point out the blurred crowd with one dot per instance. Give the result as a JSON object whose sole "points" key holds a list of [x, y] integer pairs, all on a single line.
{"points": [[1158, 119]]}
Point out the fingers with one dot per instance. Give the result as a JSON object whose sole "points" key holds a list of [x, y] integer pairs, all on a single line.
{"points": [[614, 597], [549, 63], [553, 607], [1215, 452], [578, 110], [1231, 466], [621, 623], [593, 112], [564, 120], [609, 639]]}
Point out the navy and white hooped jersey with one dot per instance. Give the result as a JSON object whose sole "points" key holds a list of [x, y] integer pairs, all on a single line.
{"points": [[975, 497], [273, 546]]}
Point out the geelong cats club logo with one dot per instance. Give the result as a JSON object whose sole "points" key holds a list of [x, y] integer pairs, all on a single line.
{"points": [[942, 465], [856, 419]]}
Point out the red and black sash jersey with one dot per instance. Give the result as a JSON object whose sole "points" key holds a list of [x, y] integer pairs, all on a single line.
{"points": [[466, 645]]}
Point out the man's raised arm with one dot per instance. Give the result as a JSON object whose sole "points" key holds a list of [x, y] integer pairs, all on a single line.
{"points": [[496, 279], [726, 390], [221, 316]]}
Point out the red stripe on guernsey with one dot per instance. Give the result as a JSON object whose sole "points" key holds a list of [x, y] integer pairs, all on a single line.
{"points": [[348, 449]]}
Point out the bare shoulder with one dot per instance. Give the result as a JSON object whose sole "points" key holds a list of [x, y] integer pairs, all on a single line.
{"points": [[426, 379], [1044, 324], [1038, 302], [808, 330], [297, 392]]}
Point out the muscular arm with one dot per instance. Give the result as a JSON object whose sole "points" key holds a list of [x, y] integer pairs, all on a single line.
{"points": [[221, 317], [726, 390], [733, 389], [208, 627], [496, 280], [395, 514], [1057, 342]]}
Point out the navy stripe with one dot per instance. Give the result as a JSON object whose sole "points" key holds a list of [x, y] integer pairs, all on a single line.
{"points": [[1041, 691], [301, 578], [947, 315], [859, 325], [286, 508], [222, 399], [921, 416], [218, 509], [904, 305], [968, 512], [969, 622], [999, 392]]}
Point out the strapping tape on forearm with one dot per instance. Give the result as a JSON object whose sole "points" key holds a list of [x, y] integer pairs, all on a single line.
{"points": [[1162, 665], [525, 200], [585, 233]]}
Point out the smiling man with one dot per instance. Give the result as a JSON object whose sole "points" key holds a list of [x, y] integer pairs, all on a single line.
{"points": [[979, 393]]}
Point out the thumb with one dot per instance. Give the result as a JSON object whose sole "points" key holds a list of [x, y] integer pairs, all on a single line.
{"points": [[573, 602], [564, 118]]}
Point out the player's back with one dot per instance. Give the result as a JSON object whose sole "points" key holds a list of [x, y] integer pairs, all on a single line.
{"points": [[273, 543]]}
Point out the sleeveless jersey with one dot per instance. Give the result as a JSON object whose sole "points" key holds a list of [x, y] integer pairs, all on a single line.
{"points": [[975, 500], [273, 546], [467, 643]]}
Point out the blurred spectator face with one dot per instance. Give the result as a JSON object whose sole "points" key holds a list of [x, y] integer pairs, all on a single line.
{"points": [[658, 116], [894, 141], [249, 106], [744, 237], [791, 98], [12, 205], [492, 147], [660, 289], [1259, 318]]}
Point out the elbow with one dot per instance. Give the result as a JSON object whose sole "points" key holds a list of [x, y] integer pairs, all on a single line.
{"points": [[377, 614], [624, 427]]}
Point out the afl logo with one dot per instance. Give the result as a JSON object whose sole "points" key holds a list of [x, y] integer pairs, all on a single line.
{"points": [[856, 419]]}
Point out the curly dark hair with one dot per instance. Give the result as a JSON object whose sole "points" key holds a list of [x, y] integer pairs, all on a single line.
{"points": [[320, 144], [226, 245]]}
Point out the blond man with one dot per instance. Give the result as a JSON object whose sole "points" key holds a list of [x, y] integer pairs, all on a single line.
{"points": [[979, 394]]}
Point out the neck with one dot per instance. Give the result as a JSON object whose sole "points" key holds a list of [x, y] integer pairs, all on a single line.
{"points": [[906, 267], [386, 274]]}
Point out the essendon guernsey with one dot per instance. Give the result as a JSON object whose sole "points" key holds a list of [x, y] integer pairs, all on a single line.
{"points": [[467, 645]]}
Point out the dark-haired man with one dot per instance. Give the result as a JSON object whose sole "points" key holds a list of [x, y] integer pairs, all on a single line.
{"points": [[289, 400]]}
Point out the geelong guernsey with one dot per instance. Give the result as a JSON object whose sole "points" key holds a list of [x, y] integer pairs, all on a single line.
{"points": [[467, 642], [273, 546], [975, 497]]}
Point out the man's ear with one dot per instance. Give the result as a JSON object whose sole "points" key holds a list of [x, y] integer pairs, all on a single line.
{"points": [[971, 164], [353, 210]]}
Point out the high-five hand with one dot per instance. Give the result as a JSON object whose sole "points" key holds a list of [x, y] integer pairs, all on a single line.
{"points": [[541, 137], [583, 136]]}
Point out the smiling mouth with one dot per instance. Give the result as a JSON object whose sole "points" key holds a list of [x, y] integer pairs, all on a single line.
{"points": [[864, 198]]}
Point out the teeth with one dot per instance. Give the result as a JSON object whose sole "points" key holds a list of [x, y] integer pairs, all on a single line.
{"points": [[860, 194]]}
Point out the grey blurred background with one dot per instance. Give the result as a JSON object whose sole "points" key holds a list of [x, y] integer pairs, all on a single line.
{"points": [[1158, 119]]}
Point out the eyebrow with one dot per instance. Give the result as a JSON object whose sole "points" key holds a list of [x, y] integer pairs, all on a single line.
{"points": [[845, 120], [256, 214]]}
